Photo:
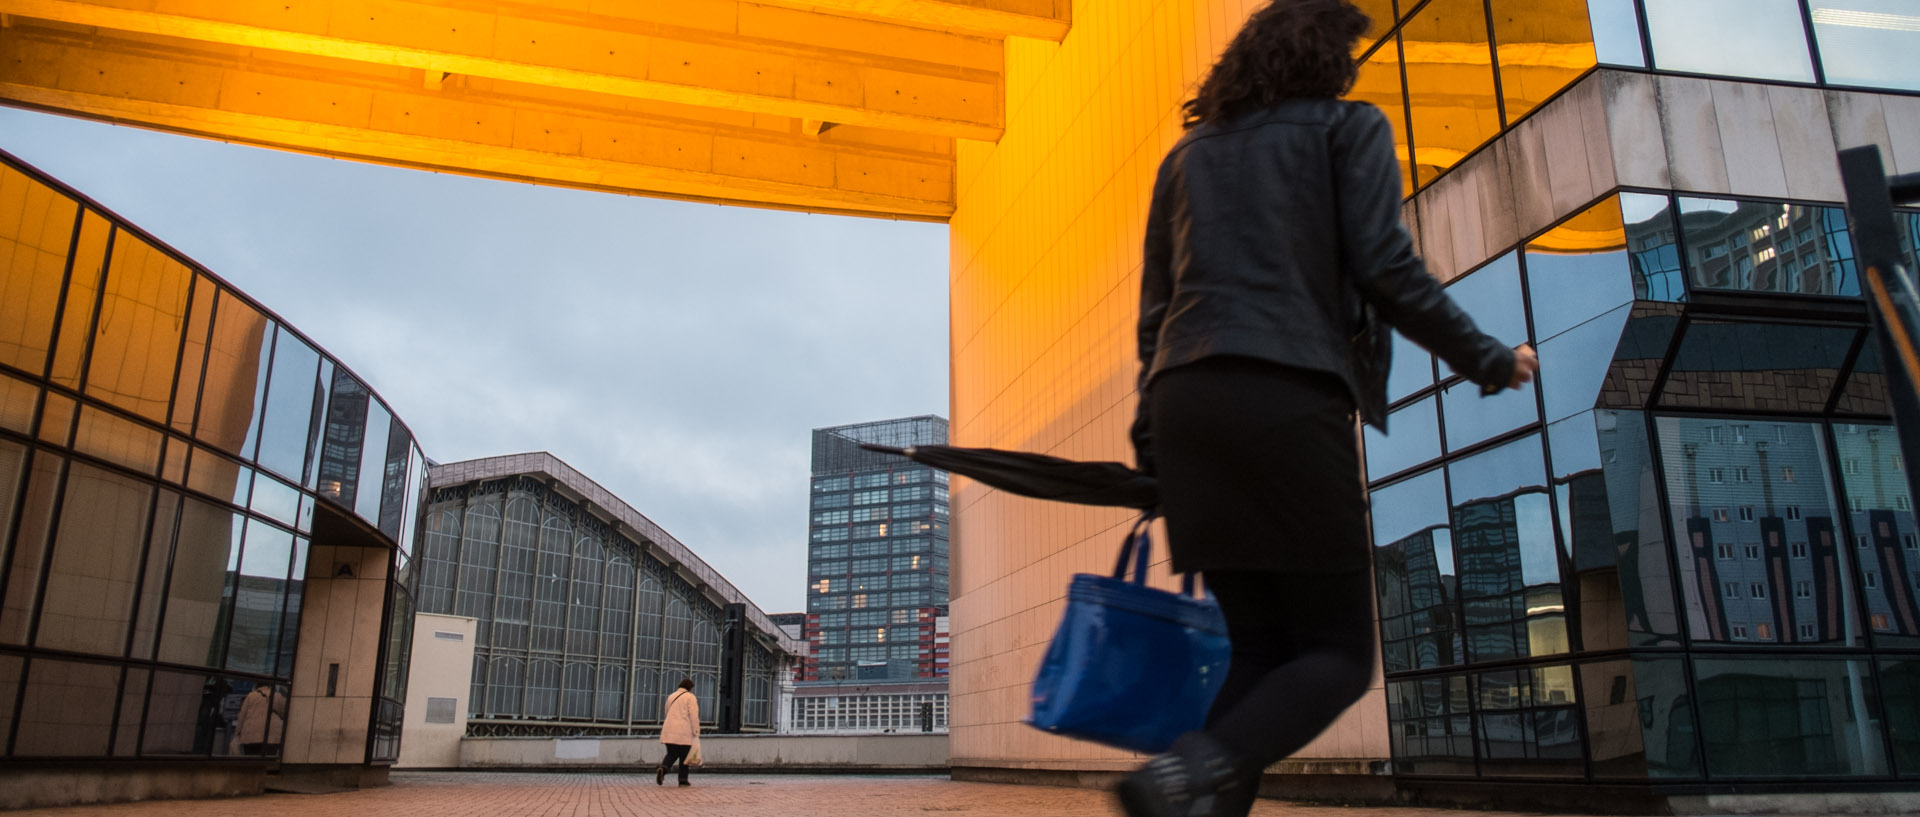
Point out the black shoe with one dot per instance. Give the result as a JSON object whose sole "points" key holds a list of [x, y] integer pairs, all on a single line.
{"points": [[660, 776], [1196, 778], [685, 783]]}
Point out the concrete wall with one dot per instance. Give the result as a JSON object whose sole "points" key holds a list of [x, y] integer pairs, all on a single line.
{"points": [[442, 667], [1044, 265], [840, 753]]}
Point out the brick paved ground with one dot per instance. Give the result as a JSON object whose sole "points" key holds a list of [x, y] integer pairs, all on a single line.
{"points": [[474, 794]]}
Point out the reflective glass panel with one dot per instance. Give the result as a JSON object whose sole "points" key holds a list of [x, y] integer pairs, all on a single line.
{"points": [[1412, 368], [1653, 247], [290, 618], [53, 720], [1768, 247], [1379, 84], [339, 475], [1764, 39], [259, 599], [1543, 46], [1900, 688], [1616, 32], [1760, 559], [166, 516], [36, 231], [393, 483], [1757, 366], [1429, 726], [1579, 270], [373, 462], [133, 706], [1509, 563], [95, 567], [1380, 18], [56, 418], [1580, 495], [30, 546], [1574, 365], [83, 290], [191, 714], [317, 432], [117, 440], [193, 355], [290, 410], [276, 499], [194, 631], [1799, 717], [18, 398], [1613, 720], [236, 376], [1491, 295], [1867, 42], [1416, 581], [138, 337], [219, 477], [1885, 538], [13, 469], [1666, 718], [1529, 723], [1865, 391], [1449, 83], [1414, 438], [1471, 417]]}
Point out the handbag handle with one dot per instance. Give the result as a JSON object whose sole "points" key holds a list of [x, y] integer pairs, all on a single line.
{"points": [[1141, 535]]}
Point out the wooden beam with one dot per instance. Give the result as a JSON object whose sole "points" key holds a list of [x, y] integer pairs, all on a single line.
{"points": [[1040, 19], [726, 54], [476, 126]]}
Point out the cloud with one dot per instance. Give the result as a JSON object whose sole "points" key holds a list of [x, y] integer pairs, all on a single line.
{"points": [[680, 354]]}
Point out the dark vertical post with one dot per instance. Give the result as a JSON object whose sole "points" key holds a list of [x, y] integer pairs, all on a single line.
{"points": [[733, 668], [1888, 283]]}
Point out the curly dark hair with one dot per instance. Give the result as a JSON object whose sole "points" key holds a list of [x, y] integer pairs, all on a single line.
{"points": [[1289, 49]]}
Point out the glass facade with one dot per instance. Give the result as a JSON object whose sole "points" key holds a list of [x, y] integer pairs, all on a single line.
{"points": [[579, 628], [1454, 74], [877, 563], [164, 446], [1687, 551]]}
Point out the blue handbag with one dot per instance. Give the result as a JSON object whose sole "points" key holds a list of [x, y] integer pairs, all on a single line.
{"points": [[1131, 666]]}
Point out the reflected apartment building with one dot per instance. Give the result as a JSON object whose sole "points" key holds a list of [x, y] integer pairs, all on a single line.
{"points": [[206, 522], [1685, 558]]}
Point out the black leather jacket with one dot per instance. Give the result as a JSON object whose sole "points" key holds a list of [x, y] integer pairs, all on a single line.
{"points": [[1277, 236]]}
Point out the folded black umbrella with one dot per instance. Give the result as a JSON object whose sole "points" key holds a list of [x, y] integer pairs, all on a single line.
{"points": [[1038, 475]]}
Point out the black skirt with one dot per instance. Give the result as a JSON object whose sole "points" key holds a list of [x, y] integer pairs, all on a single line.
{"points": [[1259, 468]]}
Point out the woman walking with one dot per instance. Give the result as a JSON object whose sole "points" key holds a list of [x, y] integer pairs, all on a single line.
{"points": [[680, 731], [1273, 238]]}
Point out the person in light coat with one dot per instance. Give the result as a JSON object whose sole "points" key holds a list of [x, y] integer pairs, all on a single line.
{"points": [[262, 722], [680, 731]]}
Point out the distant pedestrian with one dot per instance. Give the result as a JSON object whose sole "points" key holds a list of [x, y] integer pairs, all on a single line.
{"points": [[1272, 241], [680, 731]]}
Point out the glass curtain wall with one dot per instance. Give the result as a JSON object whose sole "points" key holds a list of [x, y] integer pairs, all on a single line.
{"points": [[1686, 552], [1454, 74], [877, 565], [578, 628], [163, 444]]}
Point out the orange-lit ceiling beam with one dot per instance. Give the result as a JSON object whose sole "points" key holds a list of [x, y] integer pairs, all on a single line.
{"points": [[724, 54], [474, 125], [1040, 19]]}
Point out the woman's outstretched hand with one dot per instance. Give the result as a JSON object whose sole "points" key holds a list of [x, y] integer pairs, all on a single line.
{"points": [[1526, 364]]}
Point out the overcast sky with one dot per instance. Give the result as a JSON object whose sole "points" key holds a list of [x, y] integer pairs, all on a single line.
{"points": [[679, 354]]}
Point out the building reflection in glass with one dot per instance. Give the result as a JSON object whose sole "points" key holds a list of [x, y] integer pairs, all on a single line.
{"points": [[1886, 544], [1768, 247], [1759, 556], [1510, 568], [1414, 570]]}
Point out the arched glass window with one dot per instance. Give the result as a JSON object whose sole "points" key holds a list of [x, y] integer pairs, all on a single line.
{"points": [[543, 688], [506, 682], [439, 561], [477, 559], [677, 649], [583, 628], [616, 623], [550, 586], [514, 612], [477, 694], [646, 695], [653, 600], [706, 642], [610, 702], [577, 703], [706, 686]]}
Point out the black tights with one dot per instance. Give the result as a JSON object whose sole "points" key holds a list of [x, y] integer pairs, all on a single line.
{"points": [[1302, 653], [679, 751]]}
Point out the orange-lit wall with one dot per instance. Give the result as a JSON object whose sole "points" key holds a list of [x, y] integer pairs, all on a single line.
{"points": [[1045, 284]]}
